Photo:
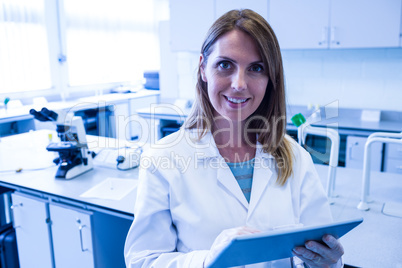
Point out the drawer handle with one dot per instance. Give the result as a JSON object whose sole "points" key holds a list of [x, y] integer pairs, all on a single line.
{"points": [[82, 243], [16, 205]]}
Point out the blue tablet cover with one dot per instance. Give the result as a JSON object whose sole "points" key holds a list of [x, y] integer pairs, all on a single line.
{"points": [[275, 245]]}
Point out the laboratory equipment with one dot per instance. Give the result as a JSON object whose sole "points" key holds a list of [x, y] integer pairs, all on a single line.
{"points": [[44, 115], [124, 158], [151, 80], [303, 129], [74, 156], [383, 137]]}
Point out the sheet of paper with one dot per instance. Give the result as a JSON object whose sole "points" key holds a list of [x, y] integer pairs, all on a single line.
{"points": [[111, 188]]}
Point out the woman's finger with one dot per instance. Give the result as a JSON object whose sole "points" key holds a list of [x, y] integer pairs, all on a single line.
{"points": [[333, 243], [308, 256], [329, 255]]}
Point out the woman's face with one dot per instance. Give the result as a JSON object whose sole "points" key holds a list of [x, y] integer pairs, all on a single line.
{"points": [[235, 75]]}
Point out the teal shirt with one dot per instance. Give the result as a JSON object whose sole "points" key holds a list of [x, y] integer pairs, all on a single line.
{"points": [[243, 172]]}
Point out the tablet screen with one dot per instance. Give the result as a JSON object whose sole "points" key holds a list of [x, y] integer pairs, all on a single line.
{"points": [[275, 245]]}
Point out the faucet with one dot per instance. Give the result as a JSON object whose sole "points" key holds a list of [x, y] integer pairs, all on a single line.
{"points": [[303, 129], [374, 137]]}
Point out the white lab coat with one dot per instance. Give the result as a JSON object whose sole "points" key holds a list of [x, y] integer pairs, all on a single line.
{"points": [[187, 195]]}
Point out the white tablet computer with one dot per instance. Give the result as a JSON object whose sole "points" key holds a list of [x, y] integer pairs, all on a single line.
{"points": [[278, 244]]}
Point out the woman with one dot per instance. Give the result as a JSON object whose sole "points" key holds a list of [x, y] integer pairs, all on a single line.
{"points": [[231, 170]]}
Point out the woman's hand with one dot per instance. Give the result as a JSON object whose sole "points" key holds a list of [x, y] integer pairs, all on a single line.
{"points": [[224, 238], [315, 254]]}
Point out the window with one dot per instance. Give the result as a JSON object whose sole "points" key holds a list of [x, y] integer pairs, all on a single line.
{"points": [[72, 45], [24, 58]]}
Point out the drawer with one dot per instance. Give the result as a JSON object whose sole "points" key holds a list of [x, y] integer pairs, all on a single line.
{"points": [[355, 146], [394, 151], [393, 165]]}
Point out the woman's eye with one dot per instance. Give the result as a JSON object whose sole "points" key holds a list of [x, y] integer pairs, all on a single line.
{"points": [[224, 65], [256, 68]]}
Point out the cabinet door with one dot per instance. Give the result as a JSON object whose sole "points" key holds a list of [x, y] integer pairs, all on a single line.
{"points": [[400, 33], [141, 128], [393, 165], [355, 153], [72, 237], [31, 218], [365, 23], [393, 158], [121, 122], [189, 22], [300, 24], [259, 6]]}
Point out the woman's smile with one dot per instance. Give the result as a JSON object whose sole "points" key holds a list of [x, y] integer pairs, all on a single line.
{"points": [[236, 102]]}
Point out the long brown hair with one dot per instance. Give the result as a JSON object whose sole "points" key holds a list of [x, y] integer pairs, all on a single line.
{"points": [[273, 106]]}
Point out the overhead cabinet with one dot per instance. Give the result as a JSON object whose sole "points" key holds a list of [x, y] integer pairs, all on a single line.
{"points": [[323, 24], [189, 23], [190, 20]]}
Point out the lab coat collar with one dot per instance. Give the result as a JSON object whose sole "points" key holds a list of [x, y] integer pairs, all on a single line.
{"points": [[208, 151], [206, 147]]}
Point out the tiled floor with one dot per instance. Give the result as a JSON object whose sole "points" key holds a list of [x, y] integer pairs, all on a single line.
{"points": [[377, 242]]}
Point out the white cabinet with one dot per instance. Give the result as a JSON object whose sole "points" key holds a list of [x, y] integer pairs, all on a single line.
{"points": [[72, 237], [190, 20], [139, 127], [125, 124], [355, 153], [58, 233], [120, 124], [300, 24], [31, 223], [223, 6], [336, 23], [400, 35], [393, 158], [365, 23]]}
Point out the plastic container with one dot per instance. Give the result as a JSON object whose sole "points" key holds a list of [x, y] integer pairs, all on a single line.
{"points": [[151, 80]]}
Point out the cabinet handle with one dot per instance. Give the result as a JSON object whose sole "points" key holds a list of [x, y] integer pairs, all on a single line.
{"points": [[324, 36], [351, 148], [81, 241], [333, 36], [16, 205]]}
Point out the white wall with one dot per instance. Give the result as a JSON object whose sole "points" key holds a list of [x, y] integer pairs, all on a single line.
{"points": [[357, 78]]}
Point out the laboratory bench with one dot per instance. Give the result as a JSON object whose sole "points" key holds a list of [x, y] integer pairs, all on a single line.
{"points": [[71, 230], [56, 224]]}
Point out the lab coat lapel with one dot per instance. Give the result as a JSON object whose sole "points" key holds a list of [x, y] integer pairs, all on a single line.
{"points": [[207, 151], [262, 175], [227, 180]]}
